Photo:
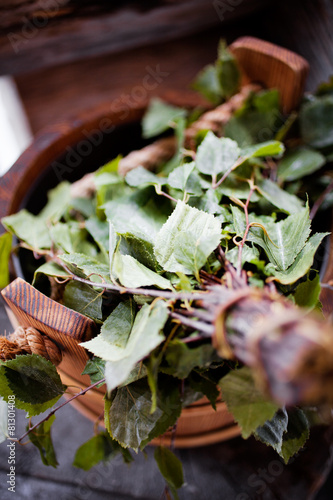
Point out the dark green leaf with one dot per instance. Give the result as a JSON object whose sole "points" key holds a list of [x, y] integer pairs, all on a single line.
{"points": [[207, 83], [139, 248], [95, 369], [50, 269], [227, 70], [299, 162], [89, 265], [279, 198], [272, 431], [170, 467], [182, 358], [201, 383], [41, 438], [316, 122], [97, 449], [248, 405], [128, 416], [83, 299], [99, 230], [296, 435], [5, 249], [33, 380]]}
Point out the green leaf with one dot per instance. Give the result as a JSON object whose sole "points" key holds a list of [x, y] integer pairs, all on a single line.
{"points": [[85, 206], [307, 293], [207, 83], [58, 200], [132, 274], [72, 238], [183, 224], [201, 383], [299, 162], [3, 420], [272, 431], [140, 176], [122, 356], [5, 249], [269, 148], [33, 380], [259, 119], [95, 369], [179, 177], [97, 449], [296, 435], [302, 263], [216, 155], [99, 230], [129, 419], [50, 269], [141, 214], [279, 198], [170, 467], [316, 122], [182, 359], [159, 117], [249, 254], [89, 265], [83, 299], [284, 240], [140, 249], [29, 228], [227, 70], [248, 405], [41, 438]]}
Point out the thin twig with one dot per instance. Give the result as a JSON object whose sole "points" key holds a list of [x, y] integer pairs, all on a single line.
{"points": [[81, 393], [320, 200], [206, 329], [241, 244]]}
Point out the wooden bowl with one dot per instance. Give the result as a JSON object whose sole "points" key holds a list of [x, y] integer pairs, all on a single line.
{"points": [[67, 151]]}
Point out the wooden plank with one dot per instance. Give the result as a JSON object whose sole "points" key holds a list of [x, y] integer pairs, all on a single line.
{"points": [[39, 34], [59, 323]]}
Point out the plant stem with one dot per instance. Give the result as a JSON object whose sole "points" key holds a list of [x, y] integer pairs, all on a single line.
{"points": [[241, 244], [81, 393]]}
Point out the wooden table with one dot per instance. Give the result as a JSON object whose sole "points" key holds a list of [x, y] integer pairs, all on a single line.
{"points": [[237, 469]]}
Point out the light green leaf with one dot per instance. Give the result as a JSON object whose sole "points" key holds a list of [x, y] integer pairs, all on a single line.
{"points": [[58, 200], [307, 293], [248, 405], [33, 380], [72, 238], [50, 269], [145, 336], [141, 214], [296, 435], [269, 148], [5, 249], [3, 420], [83, 299], [159, 117], [170, 467], [216, 155], [41, 438], [279, 198], [302, 263], [200, 227], [284, 240], [133, 274], [249, 254], [179, 177], [89, 265], [117, 327], [29, 228], [299, 162], [97, 449], [140, 176], [272, 431]]}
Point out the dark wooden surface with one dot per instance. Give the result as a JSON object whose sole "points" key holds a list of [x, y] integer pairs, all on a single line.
{"points": [[234, 470]]}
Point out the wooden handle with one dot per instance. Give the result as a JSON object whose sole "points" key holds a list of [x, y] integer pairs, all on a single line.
{"points": [[273, 67]]}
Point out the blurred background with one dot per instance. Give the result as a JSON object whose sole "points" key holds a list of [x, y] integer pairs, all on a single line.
{"points": [[63, 58]]}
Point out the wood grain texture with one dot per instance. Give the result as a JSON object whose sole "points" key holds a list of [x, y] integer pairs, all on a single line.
{"points": [[37, 34], [274, 67], [65, 326]]}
